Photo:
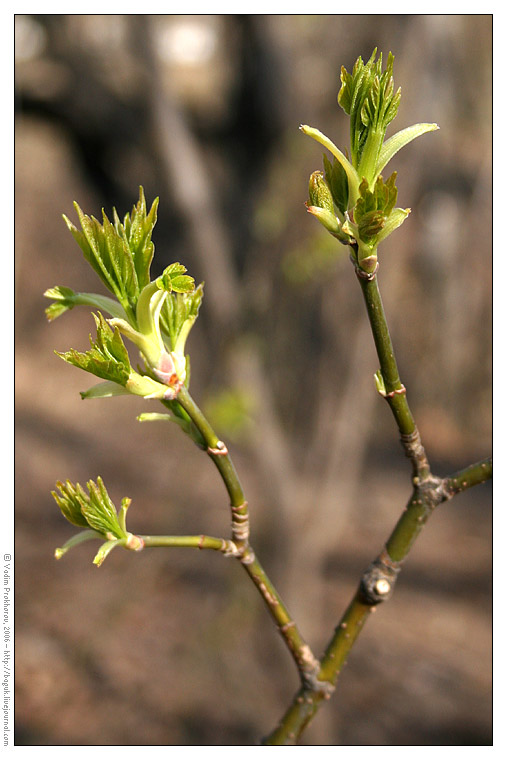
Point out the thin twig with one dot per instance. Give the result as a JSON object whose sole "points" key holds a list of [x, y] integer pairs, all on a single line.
{"points": [[306, 662], [224, 545]]}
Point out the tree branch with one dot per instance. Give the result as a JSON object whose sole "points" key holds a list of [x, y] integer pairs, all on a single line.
{"points": [[306, 662], [378, 580]]}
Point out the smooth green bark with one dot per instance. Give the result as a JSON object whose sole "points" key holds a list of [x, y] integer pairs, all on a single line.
{"points": [[428, 492], [301, 652]]}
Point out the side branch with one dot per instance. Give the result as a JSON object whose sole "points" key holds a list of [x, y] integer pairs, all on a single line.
{"points": [[471, 476], [226, 546]]}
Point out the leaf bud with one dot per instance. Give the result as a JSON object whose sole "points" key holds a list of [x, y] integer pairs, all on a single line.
{"points": [[319, 192]]}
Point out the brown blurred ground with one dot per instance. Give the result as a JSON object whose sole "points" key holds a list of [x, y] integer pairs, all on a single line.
{"points": [[174, 647]]}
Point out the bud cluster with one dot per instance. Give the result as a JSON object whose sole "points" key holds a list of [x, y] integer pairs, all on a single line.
{"points": [[350, 198], [156, 316], [96, 512]]}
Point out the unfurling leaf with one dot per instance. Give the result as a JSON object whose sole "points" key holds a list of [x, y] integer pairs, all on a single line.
{"points": [[336, 179], [399, 140], [173, 278], [108, 358], [373, 208], [96, 512], [120, 254], [137, 230], [178, 314], [65, 299], [319, 193]]}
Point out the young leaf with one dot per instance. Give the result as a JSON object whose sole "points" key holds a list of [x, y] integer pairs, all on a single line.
{"points": [[108, 357], [65, 299], [173, 278], [336, 179], [88, 241], [78, 538], [380, 103], [351, 97], [95, 510], [56, 309], [100, 512], [104, 550], [352, 175], [319, 192], [179, 312], [137, 385], [107, 389], [374, 208], [121, 254], [399, 140], [395, 220], [137, 230], [368, 97], [70, 500], [121, 262]]}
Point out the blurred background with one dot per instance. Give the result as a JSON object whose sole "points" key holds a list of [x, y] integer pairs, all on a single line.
{"points": [[174, 646]]}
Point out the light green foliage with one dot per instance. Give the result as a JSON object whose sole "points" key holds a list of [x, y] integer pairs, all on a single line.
{"points": [[108, 358], [120, 254], [319, 192], [367, 96], [336, 179], [96, 512], [179, 312], [156, 316], [136, 232], [321, 206], [174, 279], [364, 210], [373, 208], [70, 500], [65, 299]]}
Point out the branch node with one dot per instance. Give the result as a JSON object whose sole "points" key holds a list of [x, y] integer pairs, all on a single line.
{"points": [[248, 556], [312, 682], [229, 549], [443, 490], [399, 391], [220, 450], [377, 583], [240, 523], [134, 543], [310, 669], [362, 274]]}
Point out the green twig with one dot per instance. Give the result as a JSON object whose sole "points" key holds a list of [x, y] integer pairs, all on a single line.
{"points": [[377, 582], [395, 392], [223, 545], [470, 476], [306, 662]]}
